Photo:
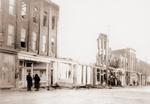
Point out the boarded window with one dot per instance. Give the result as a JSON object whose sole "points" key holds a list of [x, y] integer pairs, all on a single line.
{"points": [[11, 32], [23, 37], [12, 7], [23, 9]]}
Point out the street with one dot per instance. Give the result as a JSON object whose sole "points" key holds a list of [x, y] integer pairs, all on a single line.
{"points": [[136, 95]]}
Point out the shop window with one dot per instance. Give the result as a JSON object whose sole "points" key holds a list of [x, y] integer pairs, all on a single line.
{"points": [[23, 37], [11, 32], [23, 9], [12, 7], [53, 22], [45, 19], [34, 39], [43, 75]]}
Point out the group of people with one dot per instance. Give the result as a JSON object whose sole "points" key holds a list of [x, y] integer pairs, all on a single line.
{"points": [[114, 81], [36, 79]]}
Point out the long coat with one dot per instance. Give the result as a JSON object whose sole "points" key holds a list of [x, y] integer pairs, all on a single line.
{"points": [[29, 80], [36, 81]]}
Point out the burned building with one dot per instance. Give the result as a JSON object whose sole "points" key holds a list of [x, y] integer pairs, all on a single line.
{"points": [[28, 40], [102, 58], [130, 68]]}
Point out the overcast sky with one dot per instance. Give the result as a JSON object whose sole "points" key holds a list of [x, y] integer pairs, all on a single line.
{"points": [[81, 21]]}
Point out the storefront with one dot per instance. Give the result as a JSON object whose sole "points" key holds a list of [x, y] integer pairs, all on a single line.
{"points": [[100, 75], [120, 76], [64, 73], [134, 79], [84, 75], [35, 65]]}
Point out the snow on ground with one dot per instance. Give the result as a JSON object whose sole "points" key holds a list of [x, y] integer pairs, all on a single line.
{"points": [[136, 95]]}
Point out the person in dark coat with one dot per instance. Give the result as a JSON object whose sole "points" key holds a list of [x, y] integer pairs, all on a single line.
{"points": [[29, 82], [36, 82]]}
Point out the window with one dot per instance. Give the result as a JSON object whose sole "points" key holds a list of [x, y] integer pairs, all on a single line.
{"points": [[23, 37], [34, 39], [52, 45], [53, 22], [23, 9], [28, 64], [43, 43], [45, 19], [35, 17], [11, 32], [68, 73], [98, 74], [12, 7], [43, 75]]}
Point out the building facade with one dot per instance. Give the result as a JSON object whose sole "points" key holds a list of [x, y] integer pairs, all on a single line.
{"points": [[102, 58], [28, 40], [103, 48], [130, 55]]}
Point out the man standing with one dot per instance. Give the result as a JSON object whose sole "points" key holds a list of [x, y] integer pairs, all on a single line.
{"points": [[29, 82]]}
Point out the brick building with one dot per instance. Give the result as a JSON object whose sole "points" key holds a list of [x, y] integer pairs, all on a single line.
{"points": [[28, 40], [130, 68]]}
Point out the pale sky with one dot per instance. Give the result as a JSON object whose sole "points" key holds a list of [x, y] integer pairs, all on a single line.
{"points": [[81, 21]]}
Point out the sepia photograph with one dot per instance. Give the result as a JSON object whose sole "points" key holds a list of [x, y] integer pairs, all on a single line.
{"points": [[74, 52]]}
